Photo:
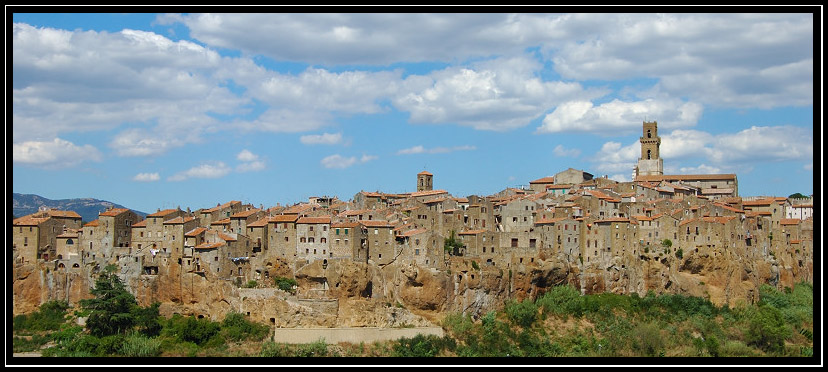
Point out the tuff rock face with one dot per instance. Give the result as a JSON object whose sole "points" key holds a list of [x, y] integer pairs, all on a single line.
{"points": [[351, 294]]}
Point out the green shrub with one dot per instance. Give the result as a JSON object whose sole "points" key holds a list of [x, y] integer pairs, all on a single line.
{"points": [[522, 313], [767, 329], [285, 284], [48, 317], [190, 329], [140, 346], [418, 346], [23, 344], [474, 265], [236, 327], [650, 342], [562, 301], [251, 284]]}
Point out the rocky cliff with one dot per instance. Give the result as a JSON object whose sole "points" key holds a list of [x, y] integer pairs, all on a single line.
{"points": [[350, 294]]}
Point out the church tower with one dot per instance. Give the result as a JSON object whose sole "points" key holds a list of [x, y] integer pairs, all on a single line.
{"points": [[424, 180], [650, 162]]}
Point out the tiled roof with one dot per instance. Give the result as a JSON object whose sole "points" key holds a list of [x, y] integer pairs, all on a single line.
{"points": [[425, 173], [91, 224], [225, 221], [29, 221], [435, 200], [196, 231], [543, 221], [260, 223], [142, 223], [452, 210], [558, 187], [284, 218], [642, 218], [62, 214], [113, 212], [296, 209], [758, 202], [789, 221], [375, 223], [225, 205], [721, 220], [684, 222], [206, 245], [717, 191], [428, 193], [163, 213], [613, 219], [311, 220], [227, 238], [548, 179], [179, 220], [413, 232], [461, 200], [68, 234]]}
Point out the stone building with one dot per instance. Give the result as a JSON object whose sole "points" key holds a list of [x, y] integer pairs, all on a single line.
{"points": [[312, 234], [380, 240], [572, 176], [34, 237], [220, 211], [425, 181], [650, 163], [540, 184]]}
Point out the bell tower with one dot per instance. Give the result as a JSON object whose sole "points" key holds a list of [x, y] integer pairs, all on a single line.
{"points": [[650, 162], [424, 180]]}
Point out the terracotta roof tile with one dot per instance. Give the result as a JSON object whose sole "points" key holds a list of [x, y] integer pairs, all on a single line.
{"points": [[225, 205], [30, 221], [225, 221], [113, 212], [543, 221], [613, 219], [344, 225], [410, 233], [179, 220], [425, 173], [206, 245], [260, 223], [313, 220], [196, 231], [428, 193], [91, 223], [163, 213], [284, 218], [376, 223], [548, 179], [62, 214], [789, 221]]}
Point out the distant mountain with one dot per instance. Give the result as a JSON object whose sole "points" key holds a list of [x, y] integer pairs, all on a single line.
{"points": [[87, 208]]}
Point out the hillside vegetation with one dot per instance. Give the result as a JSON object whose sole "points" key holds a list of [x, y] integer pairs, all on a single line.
{"points": [[560, 323]]}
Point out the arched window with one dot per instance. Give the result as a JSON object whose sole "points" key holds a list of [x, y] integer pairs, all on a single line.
{"points": [[69, 242], [649, 135], [648, 154]]}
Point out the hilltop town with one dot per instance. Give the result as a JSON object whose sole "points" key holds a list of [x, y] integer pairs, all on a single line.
{"points": [[384, 259]]}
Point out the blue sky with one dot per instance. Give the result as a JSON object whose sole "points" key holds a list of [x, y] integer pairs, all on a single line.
{"points": [[164, 110]]}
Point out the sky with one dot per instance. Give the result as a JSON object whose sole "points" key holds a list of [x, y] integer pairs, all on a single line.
{"points": [[191, 110]]}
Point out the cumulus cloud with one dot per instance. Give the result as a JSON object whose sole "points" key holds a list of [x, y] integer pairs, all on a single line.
{"points": [[499, 95], [617, 116], [209, 170], [57, 153], [321, 139], [251, 162], [146, 177], [419, 149], [561, 151], [724, 152], [337, 161]]}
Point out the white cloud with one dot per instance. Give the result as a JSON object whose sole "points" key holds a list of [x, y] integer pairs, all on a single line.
{"points": [[251, 162], [617, 116], [726, 152], [146, 177], [246, 155], [54, 154], [561, 151], [166, 90], [251, 166], [419, 149], [215, 170], [499, 95], [340, 162], [321, 139]]}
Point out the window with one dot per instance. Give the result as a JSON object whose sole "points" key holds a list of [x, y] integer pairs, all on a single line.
{"points": [[337, 231], [324, 227], [514, 242], [311, 228], [310, 240], [416, 252], [376, 231], [346, 231], [323, 240]]}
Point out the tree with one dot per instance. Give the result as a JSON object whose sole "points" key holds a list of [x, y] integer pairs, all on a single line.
{"points": [[767, 329], [452, 245], [111, 311], [797, 196]]}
